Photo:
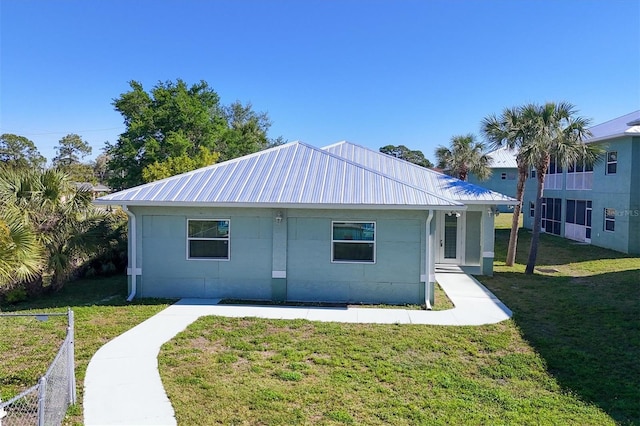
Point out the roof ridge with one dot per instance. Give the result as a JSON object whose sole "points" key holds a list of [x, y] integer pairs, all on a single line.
{"points": [[409, 163], [379, 173], [616, 118]]}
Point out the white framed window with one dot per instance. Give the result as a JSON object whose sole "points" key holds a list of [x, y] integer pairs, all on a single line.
{"points": [[610, 220], [580, 176], [353, 242], [503, 175], [532, 209], [208, 239], [612, 162]]}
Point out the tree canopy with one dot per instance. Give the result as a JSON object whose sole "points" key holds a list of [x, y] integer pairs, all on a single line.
{"points": [[464, 155], [174, 122], [18, 151], [70, 150], [404, 153]]}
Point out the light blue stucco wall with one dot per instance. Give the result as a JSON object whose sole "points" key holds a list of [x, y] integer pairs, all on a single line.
{"points": [[393, 278], [507, 186], [620, 191], [166, 272], [291, 259]]}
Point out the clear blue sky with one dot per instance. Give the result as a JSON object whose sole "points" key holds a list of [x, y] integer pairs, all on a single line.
{"points": [[372, 72]]}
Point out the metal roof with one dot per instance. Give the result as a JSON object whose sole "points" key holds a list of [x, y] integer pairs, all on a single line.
{"points": [[627, 125], [421, 177], [292, 175], [503, 158]]}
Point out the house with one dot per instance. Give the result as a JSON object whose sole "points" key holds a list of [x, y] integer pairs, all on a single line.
{"points": [[598, 204], [299, 223], [504, 175]]}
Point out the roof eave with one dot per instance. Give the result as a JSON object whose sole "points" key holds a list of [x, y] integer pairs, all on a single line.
{"points": [[131, 203]]}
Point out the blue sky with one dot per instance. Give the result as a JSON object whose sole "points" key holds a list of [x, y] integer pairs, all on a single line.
{"points": [[372, 72]]}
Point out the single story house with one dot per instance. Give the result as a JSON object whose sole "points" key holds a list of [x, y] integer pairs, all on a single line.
{"points": [[339, 224]]}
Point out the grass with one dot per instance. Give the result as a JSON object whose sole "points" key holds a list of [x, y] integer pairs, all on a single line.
{"points": [[101, 313], [568, 356]]}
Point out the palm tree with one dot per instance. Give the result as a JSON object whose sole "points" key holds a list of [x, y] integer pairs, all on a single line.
{"points": [[67, 228], [464, 156], [510, 130], [556, 132], [20, 252]]}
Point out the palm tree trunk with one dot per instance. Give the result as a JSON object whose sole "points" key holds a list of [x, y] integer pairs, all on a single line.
{"points": [[537, 220], [513, 237]]}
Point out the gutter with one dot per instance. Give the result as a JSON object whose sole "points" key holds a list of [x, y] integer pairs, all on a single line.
{"points": [[427, 263], [132, 252]]}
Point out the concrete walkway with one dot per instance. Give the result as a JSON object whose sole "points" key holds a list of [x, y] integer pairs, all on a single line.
{"points": [[122, 385]]}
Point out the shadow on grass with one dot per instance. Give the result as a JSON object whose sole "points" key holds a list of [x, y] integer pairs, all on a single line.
{"points": [[586, 327], [100, 291]]}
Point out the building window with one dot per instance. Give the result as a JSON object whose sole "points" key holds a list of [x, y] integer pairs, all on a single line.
{"points": [[578, 220], [553, 178], [610, 220], [503, 176], [551, 215], [532, 209], [612, 162], [580, 176], [208, 239], [532, 174], [353, 242]]}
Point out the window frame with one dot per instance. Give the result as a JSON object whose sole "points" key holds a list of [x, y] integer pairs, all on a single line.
{"points": [[609, 218], [227, 239], [613, 163], [374, 242]]}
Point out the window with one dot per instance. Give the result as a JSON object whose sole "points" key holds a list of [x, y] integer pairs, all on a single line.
{"points": [[353, 242], [503, 176], [612, 162], [610, 220], [532, 174], [553, 178], [551, 215], [578, 220], [580, 176], [208, 239], [532, 209]]}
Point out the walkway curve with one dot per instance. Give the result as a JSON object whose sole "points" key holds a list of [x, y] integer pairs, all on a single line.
{"points": [[122, 383]]}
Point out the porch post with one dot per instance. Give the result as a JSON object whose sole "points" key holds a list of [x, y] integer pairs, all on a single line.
{"points": [[488, 241]]}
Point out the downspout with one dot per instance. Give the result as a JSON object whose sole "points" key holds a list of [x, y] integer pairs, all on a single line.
{"points": [[427, 263], [132, 251]]}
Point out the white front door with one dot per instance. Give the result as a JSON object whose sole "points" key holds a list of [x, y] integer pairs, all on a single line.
{"points": [[451, 241]]}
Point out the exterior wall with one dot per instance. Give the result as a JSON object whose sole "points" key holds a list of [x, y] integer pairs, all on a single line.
{"points": [[619, 191], [507, 186], [393, 278], [166, 272]]}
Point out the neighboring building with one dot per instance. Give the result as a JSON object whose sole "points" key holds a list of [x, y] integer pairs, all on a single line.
{"points": [[295, 222], [97, 190], [504, 175], [599, 205]]}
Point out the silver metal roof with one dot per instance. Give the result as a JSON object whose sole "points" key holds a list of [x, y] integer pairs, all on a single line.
{"points": [[627, 125], [421, 177], [503, 158], [296, 175]]}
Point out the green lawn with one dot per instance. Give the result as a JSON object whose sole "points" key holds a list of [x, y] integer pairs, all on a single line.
{"points": [[101, 313], [569, 355]]}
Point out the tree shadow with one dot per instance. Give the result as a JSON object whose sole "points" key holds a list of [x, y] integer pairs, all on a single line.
{"points": [[464, 188], [98, 291], [586, 328], [552, 249]]}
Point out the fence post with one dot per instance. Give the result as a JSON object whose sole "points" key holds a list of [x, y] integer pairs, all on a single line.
{"points": [[42, 390], [71, 357]]}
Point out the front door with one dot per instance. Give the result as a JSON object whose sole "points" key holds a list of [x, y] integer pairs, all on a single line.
{"points": [[450, 227]]}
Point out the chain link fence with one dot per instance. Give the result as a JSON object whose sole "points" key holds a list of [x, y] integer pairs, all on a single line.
{"points": [[46, 403]]}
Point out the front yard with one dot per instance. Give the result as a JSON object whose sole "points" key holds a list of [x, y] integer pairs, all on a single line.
{"points": [[568, 356]]}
